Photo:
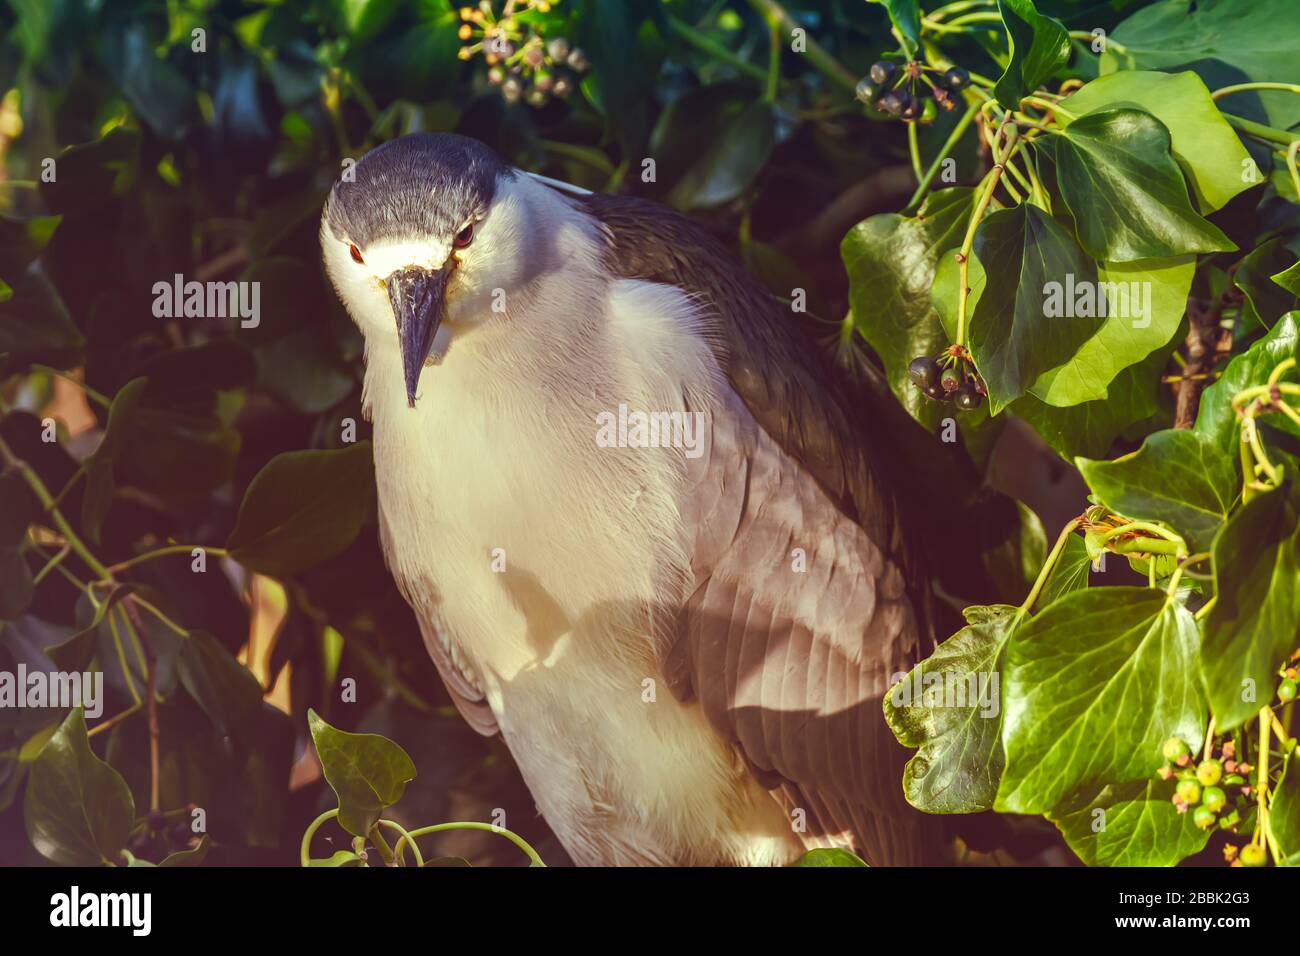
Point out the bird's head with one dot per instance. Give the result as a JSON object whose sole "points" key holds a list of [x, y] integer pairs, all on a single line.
{"points": [[421, 231]]}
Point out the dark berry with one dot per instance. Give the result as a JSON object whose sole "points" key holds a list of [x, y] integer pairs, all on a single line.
{"points": [[156, 820], [956, 78], [867, 91], [893, 102], [883, 73], [966, 398], [912, 110], [923, 371], [935, 392]]}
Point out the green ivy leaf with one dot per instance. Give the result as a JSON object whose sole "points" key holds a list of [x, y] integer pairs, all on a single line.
{"points": [[1146, 301], [1022, 251], [1266, 298], [16, 587], [1039, 46], [829, 856], [905, 15], [337, 859], [1125, 192], [191, 857], [78, 810], [1132, 824], [1289, 279], [21, 241], [732, 159], [1284, 809], [75, 653], [891, 262], [1215, 419], [368, 772], [1205, 146], [223, 687], [1224, 41], [1092, 686], [959, 756], [302, 508], [99, 469], [1090, 428], [1253, 624], [34, 322], [1177, 477]]}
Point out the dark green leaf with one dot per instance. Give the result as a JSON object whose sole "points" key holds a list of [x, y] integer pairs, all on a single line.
{"points": [[1039, 45], [1132, 824], [78, 810], [302, 508], [191, 857], [91, 175], [99, 475], [21, 241], [1070, 573], [891, 262], [15, 583], [1225, 41], [1205, 146], [949, 708], [1022, 252], [905, 15], [34, 320], [1284, 809], [1215, 419], [337, 858], [1092, 686], [368, 772], [75, 653], [1178, 477], [1266, 299], [732, 158], [223, 687], [1125, 190], [1253, 625]]}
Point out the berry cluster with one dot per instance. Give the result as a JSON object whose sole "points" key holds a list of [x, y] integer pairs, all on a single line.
{"points": [[912, 91], [521, 62], [1215, 785], [158, 839], [950, 377]]}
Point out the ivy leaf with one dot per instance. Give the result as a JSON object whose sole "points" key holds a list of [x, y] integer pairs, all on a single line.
{"points": [[891, 262], [302, 508], [905, 15], [1039, 45], [732, 159], [78, 810], [368, 772], [1092, 686], [99, 473], [75, 653], [191, 857], [1022, 251], [223, 687], [829, 856], [1205, 146], [1266, 298], [16, 583], [1090, 428], [1289, 279], [1226, 41], [34, 322], [1132, 824], [959, 756], [337, 859], [21, 241], [1144, 304], [1284, 809], [1215, 419], [1125, 192], [1177, 477], [1253, 624]]}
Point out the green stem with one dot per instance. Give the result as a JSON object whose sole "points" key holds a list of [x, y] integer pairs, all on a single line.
{"points": [[914, 149], [304, 849], [164, 551], [401, 843], [949, 145], [489, 827], [706, 44], [1086, 36], [1259, 130], [95, 396], [385, 851], [1048, 565], [1245, 87], [773, 60], [823, 61]]}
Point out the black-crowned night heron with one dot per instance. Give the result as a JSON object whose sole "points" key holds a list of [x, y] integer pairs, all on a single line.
{"points": [[643, 537]]}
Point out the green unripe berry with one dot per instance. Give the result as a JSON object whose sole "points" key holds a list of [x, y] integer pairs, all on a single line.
{"points": [[1252, 854], [1173, 749], [950, 380], [1209, 772], [1189, 791], [1233, 780], [1286, 690], [1203, 818], [1214, 799]]}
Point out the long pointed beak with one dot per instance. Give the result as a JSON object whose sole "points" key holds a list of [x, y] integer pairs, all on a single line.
{"points": [[419, 299]]}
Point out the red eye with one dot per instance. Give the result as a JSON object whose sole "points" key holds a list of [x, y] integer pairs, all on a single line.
{"points": [[464, 237], [356, 254]]}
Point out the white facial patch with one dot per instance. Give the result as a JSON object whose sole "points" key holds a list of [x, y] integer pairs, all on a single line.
{"points": [[382, 259]]}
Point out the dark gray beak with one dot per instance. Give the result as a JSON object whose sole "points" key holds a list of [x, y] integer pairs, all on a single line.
{"points": [[419, 298]]}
